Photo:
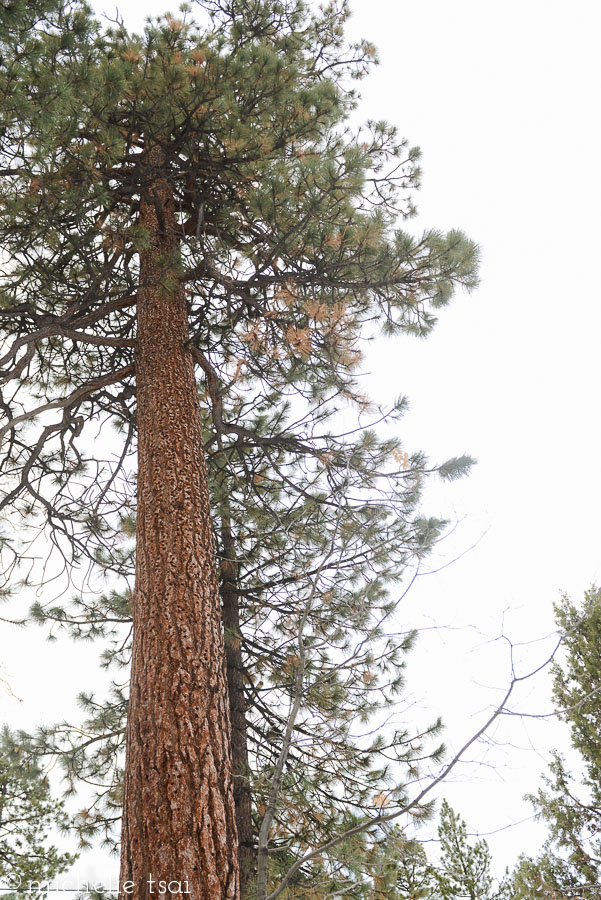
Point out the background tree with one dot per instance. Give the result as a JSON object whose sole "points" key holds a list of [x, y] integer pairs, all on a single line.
{"points": [[204, 180], [28, 813], [547, 876], [401, 870], [464, 868], [570, 803]]}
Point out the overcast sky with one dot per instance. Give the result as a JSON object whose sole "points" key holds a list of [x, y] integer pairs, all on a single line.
{"points": [[503, 100]]}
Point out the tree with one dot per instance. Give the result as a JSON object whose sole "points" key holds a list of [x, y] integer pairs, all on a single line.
{"points": [[464, 868], [549, 877], [27, 813], [571, 804], [187, 197], [401, 870]]}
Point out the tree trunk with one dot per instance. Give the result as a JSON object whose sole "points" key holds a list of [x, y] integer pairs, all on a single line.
{"points": [[237, 704], [179, 817]]}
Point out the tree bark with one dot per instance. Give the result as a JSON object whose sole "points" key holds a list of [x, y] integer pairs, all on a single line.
{"points": [[179, 816], [237, 706]]}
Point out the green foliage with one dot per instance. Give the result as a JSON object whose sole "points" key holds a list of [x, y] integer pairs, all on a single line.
{"points": [[400, 870], [571, 804], [464, 868], [28, 813], [548, 877]]}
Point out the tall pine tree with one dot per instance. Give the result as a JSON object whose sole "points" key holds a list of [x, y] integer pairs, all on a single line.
{"points": [[188, 197]]}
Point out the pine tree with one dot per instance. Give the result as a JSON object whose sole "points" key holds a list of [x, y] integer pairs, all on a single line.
{"points": [[192, 196], [571, 804], [27, 813], [464, 868], [401, 870]]}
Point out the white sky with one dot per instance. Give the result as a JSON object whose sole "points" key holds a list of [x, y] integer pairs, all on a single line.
{"points": [[503, 100]]}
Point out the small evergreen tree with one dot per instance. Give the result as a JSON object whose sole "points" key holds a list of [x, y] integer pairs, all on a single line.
{"points": [[570, 804], [28, 813], [464, 868], [401, 870]]}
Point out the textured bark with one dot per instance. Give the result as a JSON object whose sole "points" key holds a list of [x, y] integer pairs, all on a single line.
{"points": [[237, 705], [179, 815]]}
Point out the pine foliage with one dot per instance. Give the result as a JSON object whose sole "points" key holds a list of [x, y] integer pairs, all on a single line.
{"points": [[28, 816], [570, 802]]}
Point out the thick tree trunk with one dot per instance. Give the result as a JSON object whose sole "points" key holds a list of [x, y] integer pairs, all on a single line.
{"points": [[237, 704], [179, 816]]}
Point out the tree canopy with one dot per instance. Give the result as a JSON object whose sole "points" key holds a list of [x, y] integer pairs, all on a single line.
{"points": [[288, 243]]}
